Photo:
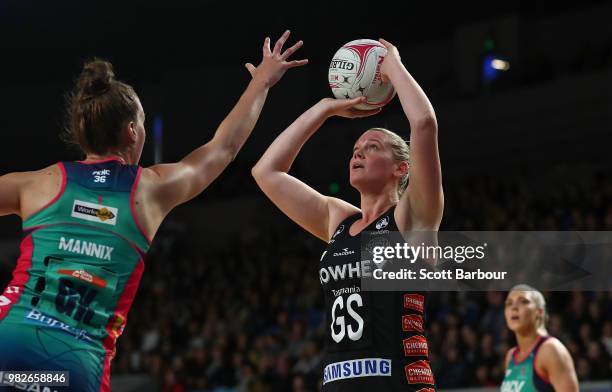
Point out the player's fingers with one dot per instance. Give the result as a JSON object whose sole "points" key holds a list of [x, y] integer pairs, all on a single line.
{"points": [[292, 50], [266, 47], [296, 63], [349, 103], [251, 68], [365, 113], [281, 41], [386, 43]]}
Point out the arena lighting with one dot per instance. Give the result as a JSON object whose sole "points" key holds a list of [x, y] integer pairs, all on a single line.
{"points": [[500, 65], [334, 188], [158, 132], [492, 65]]}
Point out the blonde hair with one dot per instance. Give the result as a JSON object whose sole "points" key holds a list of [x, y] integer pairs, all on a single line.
{"points": [[401, 153], [540, 302]]}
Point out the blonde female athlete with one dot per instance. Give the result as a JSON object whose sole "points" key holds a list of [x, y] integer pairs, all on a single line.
{"points": [[375, 340], [539, 363], [87, 225]]}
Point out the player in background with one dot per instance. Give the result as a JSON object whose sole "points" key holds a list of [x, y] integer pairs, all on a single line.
{"points": [[539, 362]]}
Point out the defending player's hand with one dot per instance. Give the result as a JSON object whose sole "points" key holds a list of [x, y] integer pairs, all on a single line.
{"points": [[274, 62], [344, 107]]}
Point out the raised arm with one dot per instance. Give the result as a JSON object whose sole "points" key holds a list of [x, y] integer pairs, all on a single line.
{"points": [[173, 184], [315, 212], [421, 205]]}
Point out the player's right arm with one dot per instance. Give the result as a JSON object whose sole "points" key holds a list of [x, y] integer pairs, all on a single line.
{"points": [[316, 213], [10, 189], [24, 193]]}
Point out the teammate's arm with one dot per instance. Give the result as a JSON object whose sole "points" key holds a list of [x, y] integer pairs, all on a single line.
{"points": [[423, 200], [179, 182], [315, 212], [557, 364]]}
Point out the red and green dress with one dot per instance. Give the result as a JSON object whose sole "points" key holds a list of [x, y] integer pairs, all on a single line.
{"points": [[80, 264], [523, 376]]}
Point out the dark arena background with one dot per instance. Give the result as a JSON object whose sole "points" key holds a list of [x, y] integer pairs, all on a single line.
{"points": [[230, 299]]}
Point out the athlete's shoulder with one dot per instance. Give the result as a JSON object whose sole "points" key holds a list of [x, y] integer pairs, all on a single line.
{"points": [[151, 184], [51, 176], [405, 220], [163, 178], [553, 362], [508, 357], [50, 171], [49, 179], [339, 211], [552, 349], [29, 190], [150, 173]]}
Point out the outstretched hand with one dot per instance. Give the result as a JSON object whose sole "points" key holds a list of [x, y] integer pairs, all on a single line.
{"points": [[344, 107], [274, 63]]}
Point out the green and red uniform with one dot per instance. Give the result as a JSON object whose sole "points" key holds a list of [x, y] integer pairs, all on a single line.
{"points": [[522, 376], [81, 260]]}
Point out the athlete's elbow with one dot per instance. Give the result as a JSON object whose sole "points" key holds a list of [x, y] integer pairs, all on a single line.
{"points": [[259, 172], [264, 176], [427, 123], [256, 172]]}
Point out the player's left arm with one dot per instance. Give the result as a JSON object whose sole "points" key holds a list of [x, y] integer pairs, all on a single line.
{"points": [[555, 362], [421, 205], [179, 182]]}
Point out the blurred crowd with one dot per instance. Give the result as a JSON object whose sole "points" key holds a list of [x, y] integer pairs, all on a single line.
{"points": [[250, 318]]}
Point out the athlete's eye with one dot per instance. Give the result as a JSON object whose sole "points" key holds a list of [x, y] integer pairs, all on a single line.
{"points": [[373, 147]]}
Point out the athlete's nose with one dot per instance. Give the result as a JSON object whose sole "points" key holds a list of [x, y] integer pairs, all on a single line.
{"points": [[357, 153]]}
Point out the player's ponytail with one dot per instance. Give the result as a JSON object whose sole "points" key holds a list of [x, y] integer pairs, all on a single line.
{"points": [[98, 107]]}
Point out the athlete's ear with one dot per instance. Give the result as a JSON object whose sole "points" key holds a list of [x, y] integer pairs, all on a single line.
{"points": [[130, 132], [402, 168], [541, 315]]}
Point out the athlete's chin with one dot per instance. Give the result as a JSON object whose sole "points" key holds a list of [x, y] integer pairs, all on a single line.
{"points": [[366, 184], [358, 178], [517, 326], [359, 183]]}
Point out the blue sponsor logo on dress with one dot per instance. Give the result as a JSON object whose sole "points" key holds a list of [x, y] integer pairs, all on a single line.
{"points": [[38, 318], [364, 367]]}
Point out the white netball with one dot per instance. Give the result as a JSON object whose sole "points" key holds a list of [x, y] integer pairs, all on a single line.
{"points": [[355, 71]]}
